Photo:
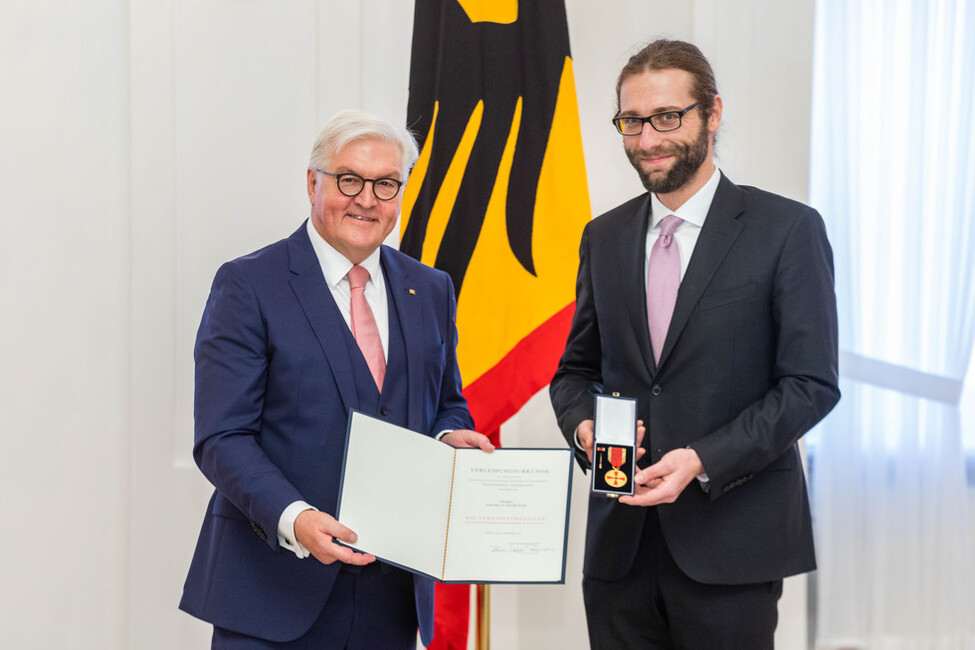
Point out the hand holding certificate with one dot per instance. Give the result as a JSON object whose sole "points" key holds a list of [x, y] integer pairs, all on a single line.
{"points": [[457, 515]]}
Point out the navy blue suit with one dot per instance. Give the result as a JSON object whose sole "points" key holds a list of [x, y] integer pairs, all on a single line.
{"points": [[276, 372]]}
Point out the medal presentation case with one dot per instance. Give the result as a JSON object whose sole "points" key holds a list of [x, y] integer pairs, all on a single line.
{"points": [[614, 445]]}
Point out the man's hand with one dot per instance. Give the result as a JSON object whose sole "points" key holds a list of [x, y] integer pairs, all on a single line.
{"points": [[584, 436], [663, 481], [467, 438], [586, 431], [315, 531]]}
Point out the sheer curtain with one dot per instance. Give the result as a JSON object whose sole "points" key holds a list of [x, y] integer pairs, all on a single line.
{"points": [[893, 173]]}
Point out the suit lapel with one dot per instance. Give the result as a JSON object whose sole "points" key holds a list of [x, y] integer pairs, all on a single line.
{"points": [[721, 229], [404, 297], [632, 256], [326, 321]]}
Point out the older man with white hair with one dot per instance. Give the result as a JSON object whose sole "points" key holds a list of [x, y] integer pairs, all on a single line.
{"points": [[292, 337]]}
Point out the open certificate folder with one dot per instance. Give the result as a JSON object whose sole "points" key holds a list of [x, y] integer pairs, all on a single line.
{"points": [[456, 515]]}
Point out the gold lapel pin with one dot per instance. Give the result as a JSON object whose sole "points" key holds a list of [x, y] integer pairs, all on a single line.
{"points": [[412, 292]]}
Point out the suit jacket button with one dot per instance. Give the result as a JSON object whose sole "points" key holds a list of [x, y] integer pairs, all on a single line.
{"points": [[656, 390], [383, 411]]}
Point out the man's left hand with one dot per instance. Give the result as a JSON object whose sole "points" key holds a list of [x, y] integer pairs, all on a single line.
{"points": [[467, 438], [663, 481]]}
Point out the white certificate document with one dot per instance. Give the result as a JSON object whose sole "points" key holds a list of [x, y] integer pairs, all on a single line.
{"points": [[457, 515]]}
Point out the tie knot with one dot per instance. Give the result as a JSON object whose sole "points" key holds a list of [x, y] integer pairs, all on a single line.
{"points": [[669, 224], [358, 276]]}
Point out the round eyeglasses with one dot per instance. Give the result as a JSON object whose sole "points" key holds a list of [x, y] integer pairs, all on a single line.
{"points": [[351, 184], [661, 122]]}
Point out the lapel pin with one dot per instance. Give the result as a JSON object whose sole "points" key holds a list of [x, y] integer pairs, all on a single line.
{"points": [[412, 292]]}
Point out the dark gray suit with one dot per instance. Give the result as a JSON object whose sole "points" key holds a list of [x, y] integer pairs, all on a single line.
{"points": [[749, 365]]}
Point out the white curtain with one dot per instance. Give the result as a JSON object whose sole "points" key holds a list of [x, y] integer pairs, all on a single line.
{"points": [[893, 173]]}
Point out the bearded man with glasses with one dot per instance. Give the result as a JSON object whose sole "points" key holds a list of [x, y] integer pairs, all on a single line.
{"points": [[712, 305], [292, 337]]}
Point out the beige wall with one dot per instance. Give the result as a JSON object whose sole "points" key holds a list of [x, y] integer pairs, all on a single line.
{"points": [[144, 142]]}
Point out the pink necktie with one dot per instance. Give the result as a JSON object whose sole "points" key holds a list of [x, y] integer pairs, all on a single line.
{"points": [[364, 327], [663, 280]]}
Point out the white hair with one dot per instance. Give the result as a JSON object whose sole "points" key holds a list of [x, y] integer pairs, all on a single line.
{"points": [[349, 125]]}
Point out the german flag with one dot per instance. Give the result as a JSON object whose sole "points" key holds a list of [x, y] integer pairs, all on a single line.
{"points": [[498, 198]]}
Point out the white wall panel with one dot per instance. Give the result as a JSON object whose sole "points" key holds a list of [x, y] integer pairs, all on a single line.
{"points": [[163, 492], [762, 57], [386, 41], [338, 58], [603, 36], [63, 331], [244, 102]]}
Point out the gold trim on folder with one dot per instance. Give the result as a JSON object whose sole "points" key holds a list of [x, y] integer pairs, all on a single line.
{"points": [[450, 503]]}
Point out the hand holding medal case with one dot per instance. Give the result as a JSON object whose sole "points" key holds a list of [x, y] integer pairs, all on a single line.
{"points": [[614, 445]]}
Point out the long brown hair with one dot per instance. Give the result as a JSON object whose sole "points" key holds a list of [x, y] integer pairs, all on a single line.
{"points": [[666, 54]]}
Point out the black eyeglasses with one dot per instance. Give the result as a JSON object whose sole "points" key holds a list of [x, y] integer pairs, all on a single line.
{"points": [[661, 122], [351, 184]]}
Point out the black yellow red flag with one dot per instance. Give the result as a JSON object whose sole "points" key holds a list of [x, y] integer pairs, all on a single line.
{"points": [[498, 198]]}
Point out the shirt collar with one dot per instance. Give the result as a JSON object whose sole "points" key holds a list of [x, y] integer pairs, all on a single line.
{"points": [[334, 264], [694, 209]]}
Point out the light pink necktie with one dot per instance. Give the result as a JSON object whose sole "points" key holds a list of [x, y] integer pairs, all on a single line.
{"points": [[364, 327], [663, 280]]}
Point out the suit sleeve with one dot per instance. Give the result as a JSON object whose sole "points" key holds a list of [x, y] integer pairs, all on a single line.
{"points": [[452, 412], [579, 374], [231, 357], [805, 376]]}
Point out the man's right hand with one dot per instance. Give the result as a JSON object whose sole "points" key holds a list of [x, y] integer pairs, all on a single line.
{"points": [[584, 435], [316, 531]]}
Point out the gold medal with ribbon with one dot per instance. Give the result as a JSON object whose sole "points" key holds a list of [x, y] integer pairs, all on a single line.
{"points": [[614, 477]]}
